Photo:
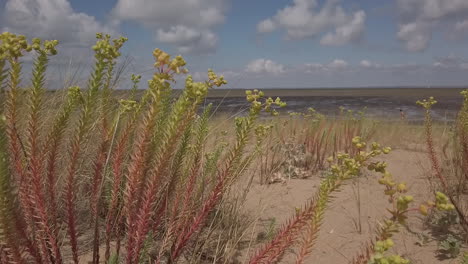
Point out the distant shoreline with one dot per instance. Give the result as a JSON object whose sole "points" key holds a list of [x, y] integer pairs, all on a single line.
{"points": [[419, 92], [397, 92]]}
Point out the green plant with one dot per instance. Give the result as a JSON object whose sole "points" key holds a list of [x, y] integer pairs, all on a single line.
{"points": [[464, 259], [450, 246], [448, 186], [423, 239], [144, 177], [269, 232], [375, 252], [301, 230]]}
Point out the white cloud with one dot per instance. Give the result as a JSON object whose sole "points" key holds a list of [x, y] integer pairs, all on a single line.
{"points": [[264, 66], [450, 62], [188, 40], [431, 9], [52, 19], [347, 32], [338, 64], [305, 19], [266, 26], [365, 63], [416, 36], [312, 67], [187, 24], [340, 73], [417, 19], [333, 66]]}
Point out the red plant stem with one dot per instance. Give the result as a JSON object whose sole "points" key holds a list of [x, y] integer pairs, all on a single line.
{"points": [[134, 179], [40, 208], [70, 197], [217, 192], [14, 146], [145, 212], [53, 143], [43, 220], [208, 205], [96, 195], [431, 151], [51, 181], [46, 234], [20, 226], [437, 169], [4, 256], [17, 157], [284, 238], [309, 240], [117, 162], [189, 189]]}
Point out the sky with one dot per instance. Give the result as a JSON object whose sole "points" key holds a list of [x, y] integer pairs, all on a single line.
{"points": [[264, 43]]}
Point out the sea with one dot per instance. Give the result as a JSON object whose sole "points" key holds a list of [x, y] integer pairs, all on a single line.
{"points": [[379, 103]]}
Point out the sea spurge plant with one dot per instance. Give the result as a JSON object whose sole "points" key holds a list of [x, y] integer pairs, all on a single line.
{"points": [[149, 174], [313, 114], [135, 81], [105, 50], [8, 211], [29, 179], [379, 257], [167, 67], [34, 154], [255, 97], [442, 202], [105, 54], [462, 141], [13, 46], [400, 209], [301, 230], [427, 103]]}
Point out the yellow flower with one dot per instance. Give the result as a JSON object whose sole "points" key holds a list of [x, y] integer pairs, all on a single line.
{"points": [[423, 209]]}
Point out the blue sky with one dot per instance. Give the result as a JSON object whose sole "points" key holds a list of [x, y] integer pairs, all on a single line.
{"points": [[268, 43]]}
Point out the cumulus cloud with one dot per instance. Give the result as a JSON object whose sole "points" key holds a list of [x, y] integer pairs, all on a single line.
{"points": [[266, 26], [187, 24], [340, 73], [264, 66], [335, 65], [338, 64], [415, 36], [347, 32], [188, 40], [369, 64], [417, 19], [312, 67], [306, 19], [365, 63], [52, 19], [450, 61]]}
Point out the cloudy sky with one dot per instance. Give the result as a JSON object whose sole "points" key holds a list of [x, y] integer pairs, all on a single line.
{"points": [[266, 43]]}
